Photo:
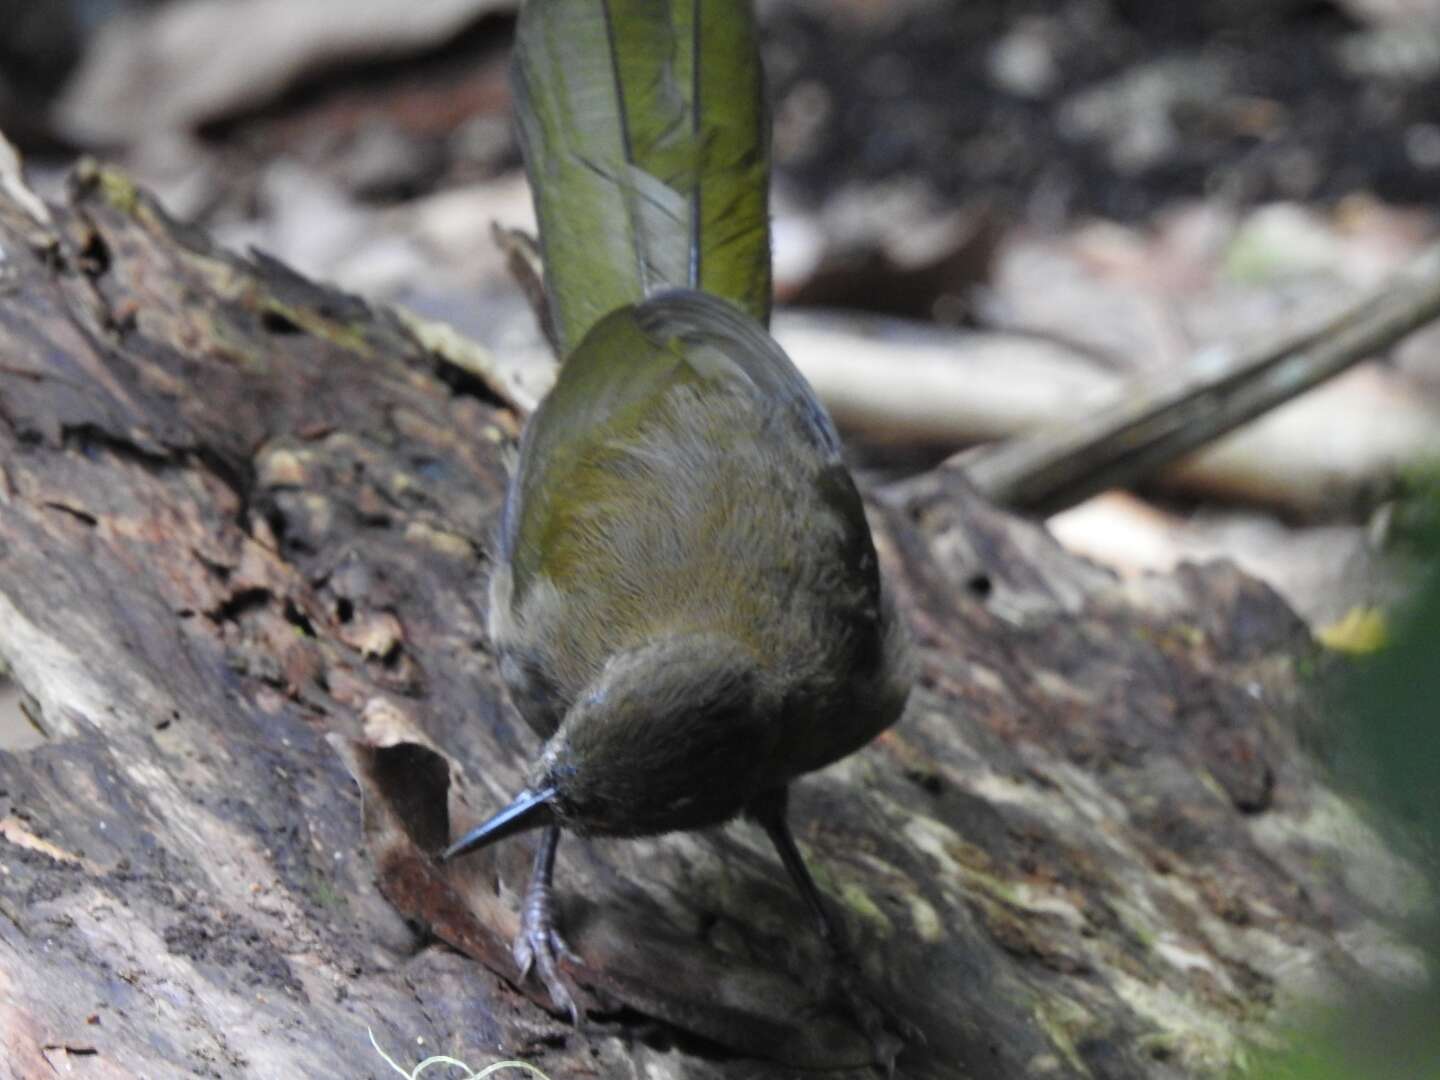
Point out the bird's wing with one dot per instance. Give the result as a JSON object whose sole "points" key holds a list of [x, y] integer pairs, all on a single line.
{"points": [[703, 326], [614, 380]]}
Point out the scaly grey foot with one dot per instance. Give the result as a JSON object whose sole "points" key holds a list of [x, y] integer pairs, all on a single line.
{"points": [[539, 944], [888, 1032]]}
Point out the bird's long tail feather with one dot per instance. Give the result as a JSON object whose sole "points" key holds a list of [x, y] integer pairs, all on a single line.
{"points": [[645, 132]]}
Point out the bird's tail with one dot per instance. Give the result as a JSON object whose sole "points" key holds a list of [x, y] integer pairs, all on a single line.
{"points": [[646, 137]]}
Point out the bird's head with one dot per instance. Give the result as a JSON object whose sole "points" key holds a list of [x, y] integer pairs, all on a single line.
{"points": [[678, 734]]}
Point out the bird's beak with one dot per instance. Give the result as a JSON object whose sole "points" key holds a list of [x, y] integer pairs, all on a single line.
{"points": [[529, 810]]}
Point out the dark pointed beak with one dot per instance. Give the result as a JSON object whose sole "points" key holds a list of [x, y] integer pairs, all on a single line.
{"points": [[530, 810]]}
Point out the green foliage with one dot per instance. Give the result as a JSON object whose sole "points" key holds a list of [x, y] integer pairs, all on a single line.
{"points": [[1391, 706], [1385, 1038], [1415, 528], [1390, 710]]}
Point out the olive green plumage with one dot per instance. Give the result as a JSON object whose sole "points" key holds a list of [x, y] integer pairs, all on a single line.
{"points": [[647, 143], [686, 600], [679, 501]]}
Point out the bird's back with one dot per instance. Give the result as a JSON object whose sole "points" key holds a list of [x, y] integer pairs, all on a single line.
{"points": [[695, 488]]}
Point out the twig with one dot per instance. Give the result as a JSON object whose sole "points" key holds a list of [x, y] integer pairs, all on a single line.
{"points": [[522, 259], [12, 184], [1156, 424]]}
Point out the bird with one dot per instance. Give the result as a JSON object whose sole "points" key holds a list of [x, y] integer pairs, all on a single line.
{"points": [[686, 602]]}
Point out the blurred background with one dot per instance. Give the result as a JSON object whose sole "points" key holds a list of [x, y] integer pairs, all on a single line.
{"points": [[990, 215]]}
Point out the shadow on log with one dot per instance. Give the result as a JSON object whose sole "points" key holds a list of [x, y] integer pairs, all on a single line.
{"points": [[243, 533]]}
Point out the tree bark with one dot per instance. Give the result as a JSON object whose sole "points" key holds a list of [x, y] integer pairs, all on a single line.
{"points": [[243, 532]]}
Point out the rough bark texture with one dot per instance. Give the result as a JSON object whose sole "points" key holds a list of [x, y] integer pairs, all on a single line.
{"points": [[243, 525]]}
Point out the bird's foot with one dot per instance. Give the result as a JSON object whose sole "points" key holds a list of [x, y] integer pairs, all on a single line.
{"points": [[540, 946], [874, 1023], [888, 1032]]}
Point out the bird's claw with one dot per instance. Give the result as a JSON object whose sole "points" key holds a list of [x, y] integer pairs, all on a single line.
{"points": [[539, 946], [888, 1032]]}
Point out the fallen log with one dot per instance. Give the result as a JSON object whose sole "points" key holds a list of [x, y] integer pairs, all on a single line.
{"points": [[243, 531]]}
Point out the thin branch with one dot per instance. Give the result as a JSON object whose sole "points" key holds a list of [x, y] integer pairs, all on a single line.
{"points": [[1158, 423], [522, 259]]}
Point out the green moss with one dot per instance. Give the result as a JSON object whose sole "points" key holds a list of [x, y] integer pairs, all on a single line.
{"points": [[226, 343], [350, 338], [1065, 1023], [858, 901], [325, 895], [966, 862], [117, 189]]}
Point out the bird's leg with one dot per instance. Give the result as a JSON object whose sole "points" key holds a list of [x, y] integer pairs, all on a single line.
{"points": [[875, 1022], [539, 943], [769, 810]]}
